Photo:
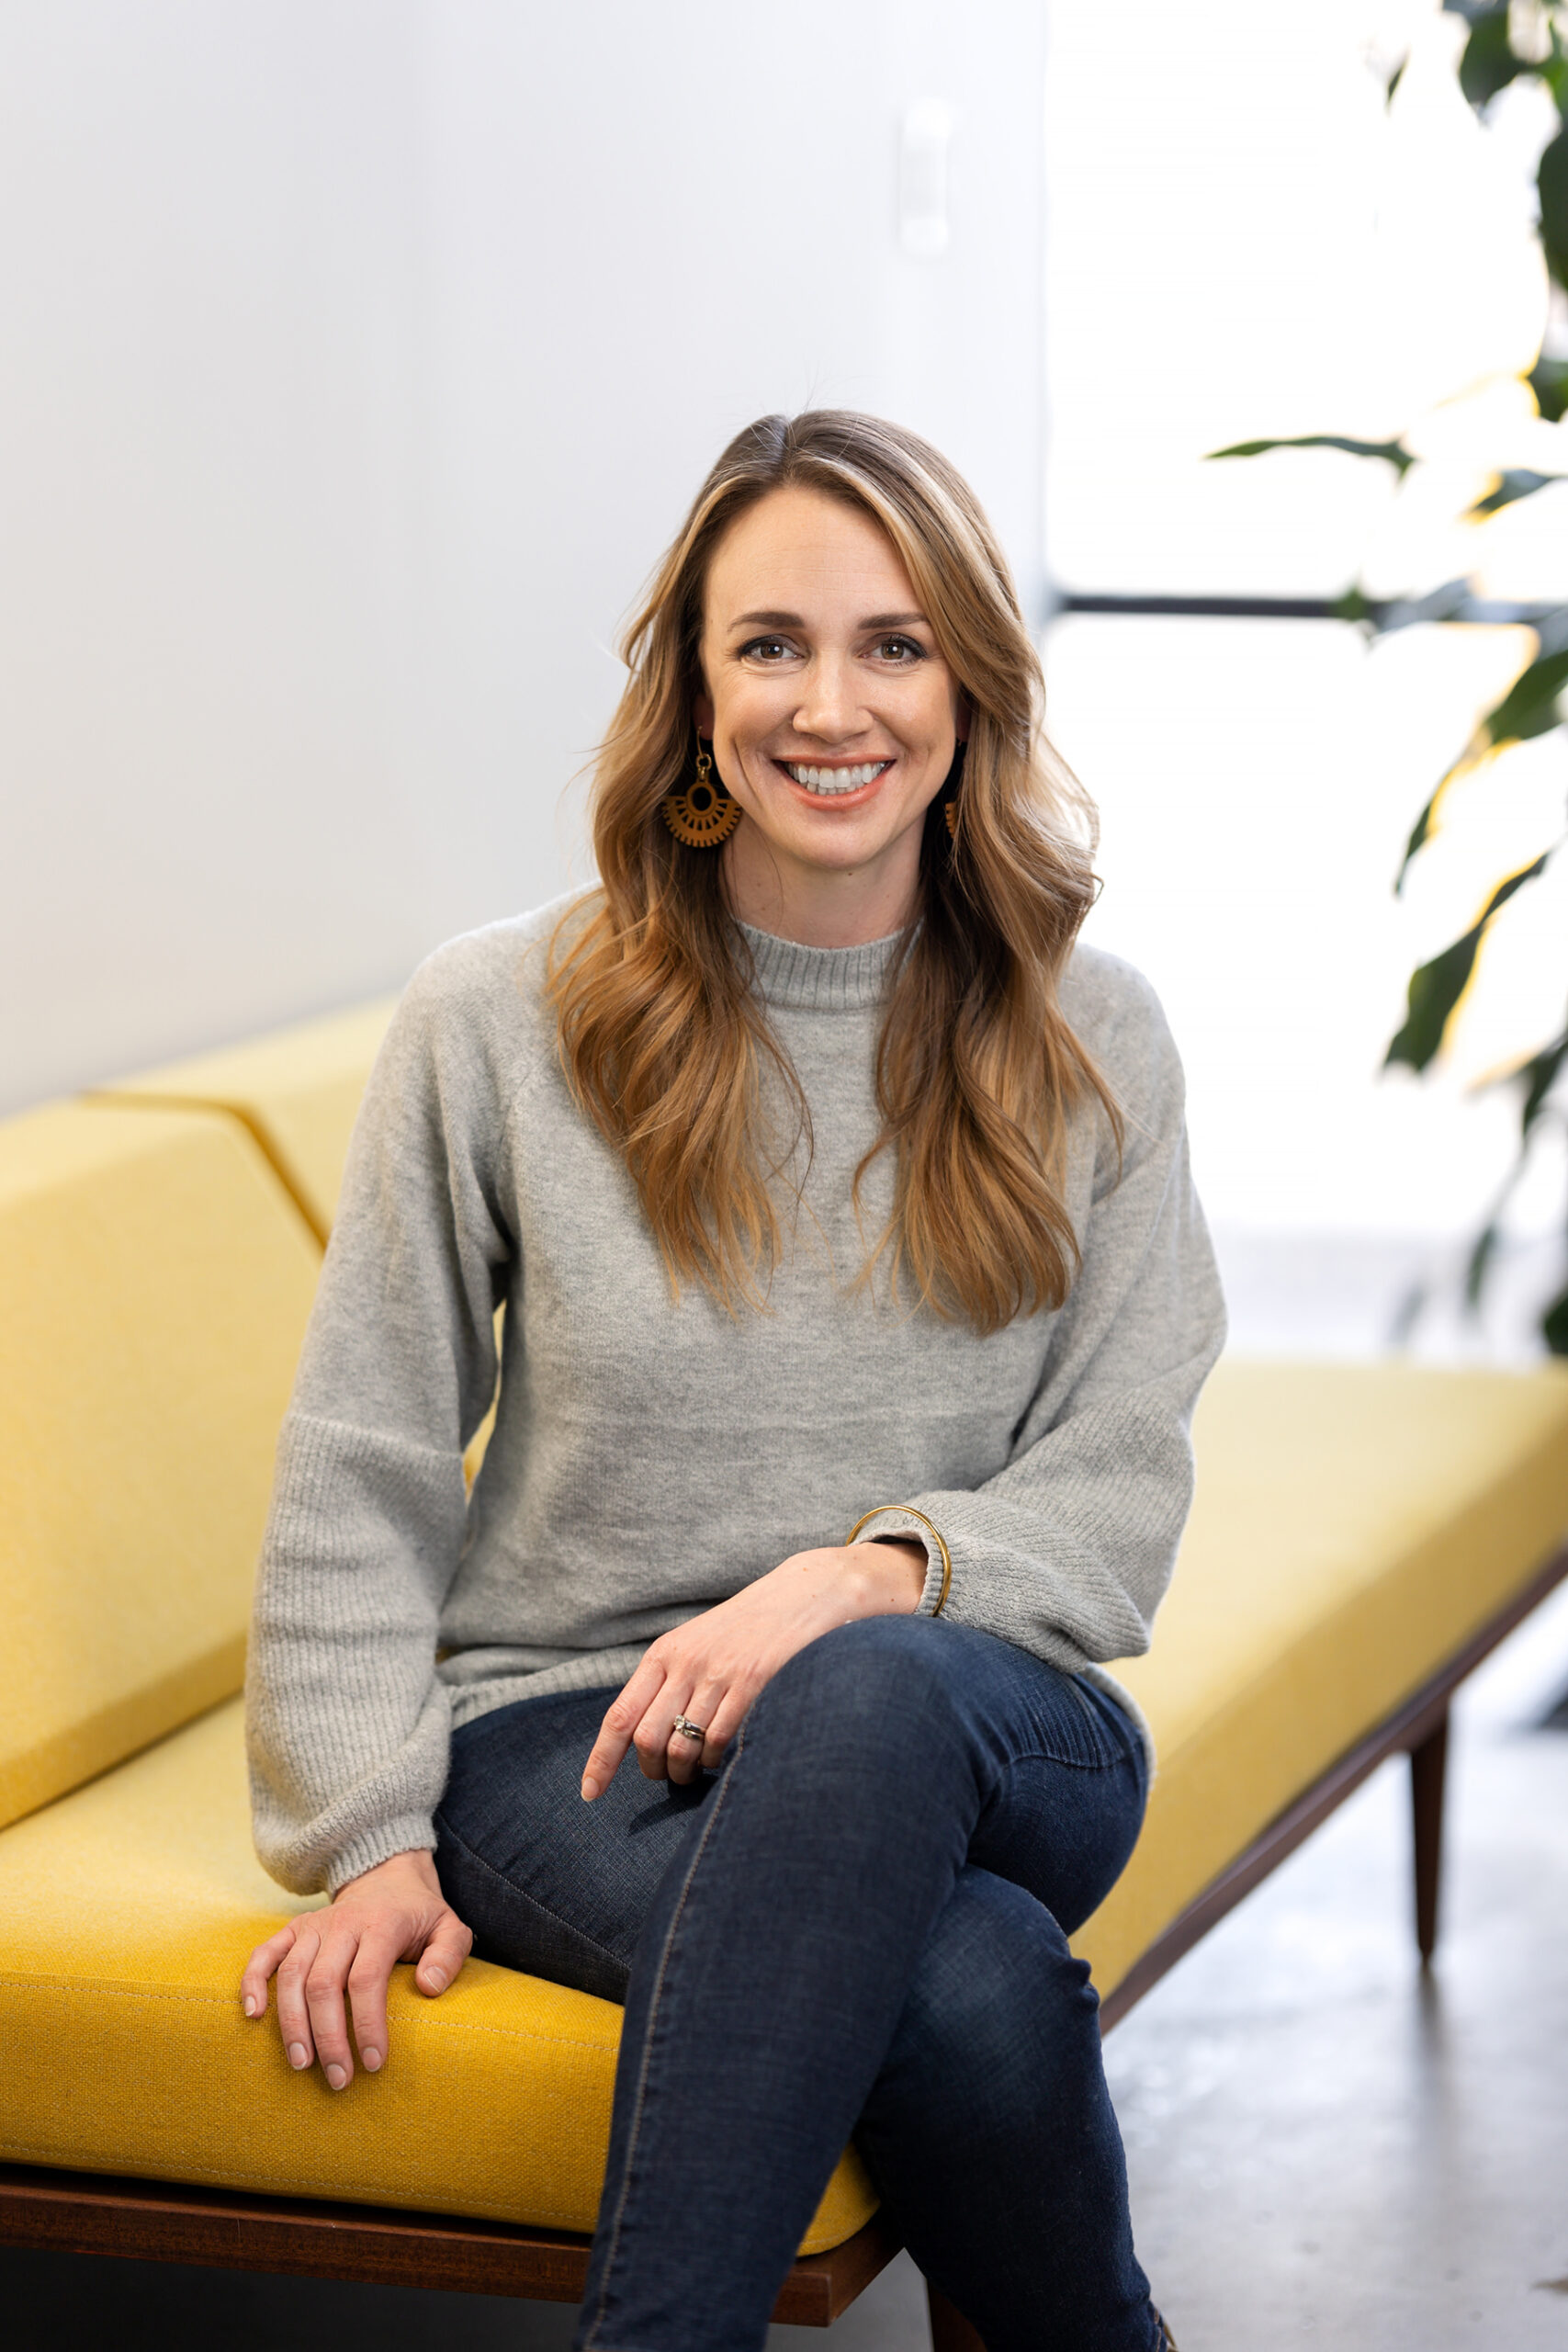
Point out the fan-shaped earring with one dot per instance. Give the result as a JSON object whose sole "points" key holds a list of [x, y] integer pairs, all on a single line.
{"points": [[704, 814]]}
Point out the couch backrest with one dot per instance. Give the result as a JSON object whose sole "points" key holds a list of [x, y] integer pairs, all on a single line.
{"points": [[296, 1091], [155, 1280]]}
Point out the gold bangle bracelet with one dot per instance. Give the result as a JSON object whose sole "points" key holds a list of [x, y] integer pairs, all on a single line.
{"points": [[936, 1535]]}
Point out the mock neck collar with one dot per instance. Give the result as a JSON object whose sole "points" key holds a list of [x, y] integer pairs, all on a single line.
{"points": [[820, 980]]}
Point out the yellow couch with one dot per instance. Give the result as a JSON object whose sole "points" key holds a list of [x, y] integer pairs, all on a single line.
{"points": [[1355, 1526]]}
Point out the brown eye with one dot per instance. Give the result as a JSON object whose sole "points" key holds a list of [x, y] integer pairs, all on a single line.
{"points": [[900, 649]]}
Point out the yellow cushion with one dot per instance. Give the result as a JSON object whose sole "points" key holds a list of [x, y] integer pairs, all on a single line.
{"points": [[296, 1091], [1353, 1526], [154, 1283], [127, 1909]]}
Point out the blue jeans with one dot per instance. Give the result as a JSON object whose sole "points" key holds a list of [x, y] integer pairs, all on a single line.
{"points": [[858, 1926]]}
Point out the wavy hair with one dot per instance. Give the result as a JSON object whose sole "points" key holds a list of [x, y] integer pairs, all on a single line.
{"points": [[662, 1038]]}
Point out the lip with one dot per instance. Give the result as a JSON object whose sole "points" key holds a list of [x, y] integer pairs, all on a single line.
{"points": [[856, 799]]}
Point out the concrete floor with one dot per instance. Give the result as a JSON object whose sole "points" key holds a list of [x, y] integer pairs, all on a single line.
{"points": [[1322, 2142]]}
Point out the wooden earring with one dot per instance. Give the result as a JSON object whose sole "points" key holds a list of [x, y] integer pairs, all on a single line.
{"points": [[704, 814]]}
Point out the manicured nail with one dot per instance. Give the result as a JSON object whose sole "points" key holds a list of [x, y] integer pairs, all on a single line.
{"points": [[437, 1979], [371, 2061], [337, 2076], [590, 1788], [298, 2054], [250, 2004]]}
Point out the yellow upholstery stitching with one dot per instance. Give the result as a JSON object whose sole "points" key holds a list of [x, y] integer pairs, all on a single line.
{"points": [[219, 2001]]}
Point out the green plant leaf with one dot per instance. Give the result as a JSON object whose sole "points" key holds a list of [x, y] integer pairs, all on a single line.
{"points": [[1530, 705], [1548, 380], [1393, 453], [1554, 1325], [1436, 987], [1551, 184], [1479, 1263], [1535, 1078], [1488, 65], [1420, 834], [1520, 482], [1538, 1076]]}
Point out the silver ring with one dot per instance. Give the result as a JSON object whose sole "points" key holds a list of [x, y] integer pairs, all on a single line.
{"points": [[687, 1728]]}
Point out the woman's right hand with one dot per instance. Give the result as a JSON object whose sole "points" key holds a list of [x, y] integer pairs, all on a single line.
{"points": [[395, 1911]]}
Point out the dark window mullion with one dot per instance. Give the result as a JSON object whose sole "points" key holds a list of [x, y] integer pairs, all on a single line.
{"points": [[1388, 613]]}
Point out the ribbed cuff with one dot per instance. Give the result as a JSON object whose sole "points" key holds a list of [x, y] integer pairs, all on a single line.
{"points": [[412, 1833], [893, 1520]]}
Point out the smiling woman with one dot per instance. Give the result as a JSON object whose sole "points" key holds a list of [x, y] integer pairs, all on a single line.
{"points": [[856, 1305], [847, 697], [838, 617]]}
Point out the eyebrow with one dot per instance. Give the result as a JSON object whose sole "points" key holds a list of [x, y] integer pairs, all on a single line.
{"points": [[793, 620]]}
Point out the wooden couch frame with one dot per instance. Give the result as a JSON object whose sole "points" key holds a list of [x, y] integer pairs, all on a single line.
{"points": [[152, 2221]]}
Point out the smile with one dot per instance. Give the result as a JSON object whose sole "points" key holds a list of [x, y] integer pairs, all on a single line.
{"points": [[834, 780]]}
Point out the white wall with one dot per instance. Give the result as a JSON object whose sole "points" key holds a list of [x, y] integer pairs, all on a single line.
{"points": [[356, 357]]}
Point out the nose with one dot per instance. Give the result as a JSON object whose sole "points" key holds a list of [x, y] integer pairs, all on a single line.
{"points": [[830, 708]]}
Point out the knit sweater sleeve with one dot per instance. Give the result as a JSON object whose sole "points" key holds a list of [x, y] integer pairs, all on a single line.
{"points": [[1067, 1551], [347, 1723]]}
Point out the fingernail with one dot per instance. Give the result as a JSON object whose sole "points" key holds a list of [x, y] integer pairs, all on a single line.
{"points": [[371, 2061], [590, 1789], [298, 2054], [437, 1979], [337, 2077], [250, 2004]]}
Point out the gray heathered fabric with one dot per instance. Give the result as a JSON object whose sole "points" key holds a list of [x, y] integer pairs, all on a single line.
{"points": [[650, 1458]]}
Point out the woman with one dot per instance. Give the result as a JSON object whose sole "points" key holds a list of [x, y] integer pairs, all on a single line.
{"points": [[856, 1303]]}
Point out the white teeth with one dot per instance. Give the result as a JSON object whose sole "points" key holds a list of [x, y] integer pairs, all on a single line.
{"points": [[833, 780]]}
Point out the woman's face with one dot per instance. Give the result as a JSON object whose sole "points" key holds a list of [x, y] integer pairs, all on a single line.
{"points": [[833, 716]]}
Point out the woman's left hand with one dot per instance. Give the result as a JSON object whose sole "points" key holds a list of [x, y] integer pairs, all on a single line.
{"points": [[709, 1669]]}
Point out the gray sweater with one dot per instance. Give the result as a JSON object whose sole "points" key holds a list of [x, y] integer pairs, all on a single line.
{"points": [[650, 1457]]}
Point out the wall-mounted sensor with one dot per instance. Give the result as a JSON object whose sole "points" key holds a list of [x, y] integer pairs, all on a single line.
{"points": [[922, 177]]}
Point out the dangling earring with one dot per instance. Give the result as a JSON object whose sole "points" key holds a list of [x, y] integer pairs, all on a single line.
{"points": [[704, 814], [950, 790]]}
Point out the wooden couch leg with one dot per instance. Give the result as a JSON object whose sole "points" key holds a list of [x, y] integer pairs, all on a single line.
{"points": [[1427, 1764], [951, 2331]]}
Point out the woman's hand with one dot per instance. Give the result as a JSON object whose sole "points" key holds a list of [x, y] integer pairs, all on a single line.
{"points": [[711, 1668], [395, 1911]]}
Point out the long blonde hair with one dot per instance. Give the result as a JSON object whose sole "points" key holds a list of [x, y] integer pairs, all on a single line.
{"points": [[661, 1037]]}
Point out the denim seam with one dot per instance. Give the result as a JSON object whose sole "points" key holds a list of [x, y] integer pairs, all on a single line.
{"points": [[591, 2337], [1070, 1763], [1096, 1713], [580, 1934]]}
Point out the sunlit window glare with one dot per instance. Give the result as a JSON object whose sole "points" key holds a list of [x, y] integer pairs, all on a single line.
{"points": [[1249, 238]]}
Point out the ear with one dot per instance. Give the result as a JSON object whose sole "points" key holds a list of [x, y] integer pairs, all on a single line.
{"points": [[702, 711], [961, 718]]}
